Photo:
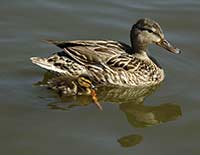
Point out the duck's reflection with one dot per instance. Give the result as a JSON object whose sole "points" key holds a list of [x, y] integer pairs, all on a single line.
{"points": [[140, 115], [131, 102], [130, 140]]}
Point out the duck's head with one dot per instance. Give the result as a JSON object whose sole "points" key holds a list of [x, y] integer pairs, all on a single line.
{"points": [[147, 31]]}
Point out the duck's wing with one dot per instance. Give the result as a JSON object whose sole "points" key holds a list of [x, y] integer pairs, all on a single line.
{"points": [[92, 51], [77, 56]]}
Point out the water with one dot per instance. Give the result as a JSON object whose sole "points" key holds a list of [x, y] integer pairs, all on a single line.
{"points": [[32, 124]]}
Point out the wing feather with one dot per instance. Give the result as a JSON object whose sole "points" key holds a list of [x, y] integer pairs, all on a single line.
{"points": [[92, 51]]}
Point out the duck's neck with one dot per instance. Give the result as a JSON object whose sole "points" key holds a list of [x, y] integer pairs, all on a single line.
{"points": [[137, 42], [140, 49]]}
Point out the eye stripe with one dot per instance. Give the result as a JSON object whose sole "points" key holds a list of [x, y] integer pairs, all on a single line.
{"points": [[150, 31], [86, 80], [145, 29]]}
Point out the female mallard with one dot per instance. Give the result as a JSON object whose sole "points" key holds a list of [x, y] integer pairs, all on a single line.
{"points": [[112, 62]]}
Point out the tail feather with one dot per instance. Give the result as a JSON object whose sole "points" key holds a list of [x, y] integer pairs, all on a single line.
{"points": [[43, 62]]}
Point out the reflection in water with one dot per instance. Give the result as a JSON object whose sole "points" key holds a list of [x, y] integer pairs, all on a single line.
{"points": [[131, 102], [130, 140], [141, 116]]}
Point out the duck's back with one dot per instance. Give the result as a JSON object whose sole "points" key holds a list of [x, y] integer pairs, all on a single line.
{"points": [[79, 54]]}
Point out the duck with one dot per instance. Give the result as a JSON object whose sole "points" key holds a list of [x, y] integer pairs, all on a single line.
{"points": [[110, 62]]}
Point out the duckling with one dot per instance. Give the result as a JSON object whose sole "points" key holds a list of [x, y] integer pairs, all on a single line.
{"points": [[65, 85]]}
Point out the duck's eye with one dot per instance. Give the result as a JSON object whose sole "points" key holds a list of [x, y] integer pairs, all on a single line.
{"points": [[149, 30], [146, 29]]}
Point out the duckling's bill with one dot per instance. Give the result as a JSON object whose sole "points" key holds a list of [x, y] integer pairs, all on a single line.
{"points": [[94, 98]]}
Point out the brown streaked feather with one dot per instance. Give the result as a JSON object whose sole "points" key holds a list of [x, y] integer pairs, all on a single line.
{"points": [[83, 55]]}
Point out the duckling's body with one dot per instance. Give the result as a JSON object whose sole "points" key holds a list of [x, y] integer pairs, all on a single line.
{"points": [[112, 62], [67, 85], [71, 86]]}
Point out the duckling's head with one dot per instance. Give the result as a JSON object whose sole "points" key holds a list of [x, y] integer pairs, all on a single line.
{"points": [[147, 31], [85, 82]]}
